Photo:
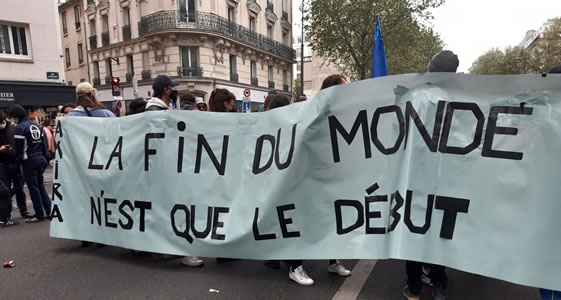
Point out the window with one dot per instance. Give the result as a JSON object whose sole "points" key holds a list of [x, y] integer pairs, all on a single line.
{"points": [[92, 27], [284, 77], [77, 17], [105, 24], [108, 68], [231, 14], [142, 8], [270, 31], [130, 64], [146, 60], [190, 61], [64, 27], [67, 56], [186, 8], [126, 16], [13, 40], [252, 23], [80, 54], [271, 73], [96, 69], [253, 69], [285, 38], [233, 64], [284, 8]]}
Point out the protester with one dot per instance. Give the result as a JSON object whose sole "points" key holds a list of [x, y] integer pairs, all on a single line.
{"points": [[418, 272], [221, 100], [66, 108], [267, 101], [187, 101], [136, 106], [296, 271], [49, 131], [201, 104], [34, 119], [550, 294], [164, 93], [8, 166], [334, 265], [31, 152], [302, 98]]}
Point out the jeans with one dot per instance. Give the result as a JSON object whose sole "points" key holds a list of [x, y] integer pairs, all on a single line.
{"points": [[16, 178], [33, 169], [414, 271], [5, 201], [550, 295]]}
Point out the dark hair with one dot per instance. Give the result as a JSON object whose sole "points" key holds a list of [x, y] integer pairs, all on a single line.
{"points": [[186, 97], [136, 106], [301, 98], [217, 99], [17, 111], [67, 105], [332, 80], [158, 92], [2, 115], [268, 101], [278, 101]]}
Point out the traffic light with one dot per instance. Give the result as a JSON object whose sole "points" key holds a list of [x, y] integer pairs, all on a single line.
{"points": [[115, 86]]}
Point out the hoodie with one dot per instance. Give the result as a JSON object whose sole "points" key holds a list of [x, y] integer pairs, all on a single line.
{"points": [[155, 104]]}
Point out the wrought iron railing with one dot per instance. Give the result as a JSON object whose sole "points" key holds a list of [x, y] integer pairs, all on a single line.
{"points": [[254, 81], [93, 42], [190, 72], [146, 75], [129, 77], [271, 84], [105, 39], [108, 79], [96, 81], [126, 32], [285, 87], [234, 77], [77, 24], [171, 20], [284, 16]]}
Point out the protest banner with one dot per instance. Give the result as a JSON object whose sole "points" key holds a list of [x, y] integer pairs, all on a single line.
{"points": [[456, 170]]}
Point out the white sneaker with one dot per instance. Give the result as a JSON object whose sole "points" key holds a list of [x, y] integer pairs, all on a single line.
{"points": [[300, 276], [339, 269], [192, 261]]}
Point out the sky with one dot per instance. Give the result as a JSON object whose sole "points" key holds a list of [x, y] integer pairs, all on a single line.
{"points": [[471, 27]]}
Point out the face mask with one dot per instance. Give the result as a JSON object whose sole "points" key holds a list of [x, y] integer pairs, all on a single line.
{"points": [[14, 120], [173, 96], [2, 126]]}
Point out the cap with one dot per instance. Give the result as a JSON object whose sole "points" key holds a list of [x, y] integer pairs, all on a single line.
{"points": [[199, 100], [444, 61], [161, 81], [84, 88]]}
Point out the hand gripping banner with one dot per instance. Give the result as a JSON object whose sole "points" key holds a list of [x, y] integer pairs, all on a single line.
{"points": [[456, 170]]}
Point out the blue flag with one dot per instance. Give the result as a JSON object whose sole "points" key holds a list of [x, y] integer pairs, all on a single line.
{"points": [[379, 66]]}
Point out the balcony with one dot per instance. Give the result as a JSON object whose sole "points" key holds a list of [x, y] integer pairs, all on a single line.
{"points": [[108, 79], [254, 81], [96, 82], [190, 72], [146, 75], [129, 77], [285, 87], [199, 21], [271, 84], [234, 77], [77, 24], [93, 42], [126, 32], [105, 39]]}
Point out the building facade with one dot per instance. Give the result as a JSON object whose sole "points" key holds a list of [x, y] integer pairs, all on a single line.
{"points": [[31, 68], [233, 44], [74, 38]]}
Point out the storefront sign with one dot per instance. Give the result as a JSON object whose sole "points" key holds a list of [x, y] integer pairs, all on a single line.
{"points": [[7, 96]]}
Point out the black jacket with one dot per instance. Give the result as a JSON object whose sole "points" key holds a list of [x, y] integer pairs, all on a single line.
{"points": [[7, 138]]}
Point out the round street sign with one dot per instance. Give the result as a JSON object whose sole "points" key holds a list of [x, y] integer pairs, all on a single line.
{"points": [[246, 92]]}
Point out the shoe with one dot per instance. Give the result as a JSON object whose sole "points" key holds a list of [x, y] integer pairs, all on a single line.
{"points": [[438, 292], [32, 220], [407, 293], [8, 223], [192, 261], [425, 277], [300, 276], [275, 264], [339, 269]]}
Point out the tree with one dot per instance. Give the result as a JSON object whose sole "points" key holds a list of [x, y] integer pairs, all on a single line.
{"points": [[547, 52], [513, 60], [295, 89], [343, 33]]}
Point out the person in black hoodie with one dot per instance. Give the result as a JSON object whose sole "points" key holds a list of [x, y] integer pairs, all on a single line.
{"points": [[8, 169], [31, 152]]}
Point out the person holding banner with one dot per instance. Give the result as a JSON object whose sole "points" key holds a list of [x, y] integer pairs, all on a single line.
{"points": [[221, 100], [164, 93], [418, 272]]}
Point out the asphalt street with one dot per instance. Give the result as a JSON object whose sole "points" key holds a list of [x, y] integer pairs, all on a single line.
{"points": [[49, 268]]}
